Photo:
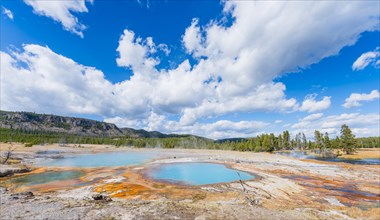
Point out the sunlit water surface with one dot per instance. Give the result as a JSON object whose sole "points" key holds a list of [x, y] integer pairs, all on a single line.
{"points": [[304, 155], [43, 178], [197, 173], [101, 160]]}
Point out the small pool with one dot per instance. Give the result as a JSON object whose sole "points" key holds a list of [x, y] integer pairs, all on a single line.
{"points": [[197, 173], [304, 155], [296, 154], [42, 178], [101, 160], [364, 161]]}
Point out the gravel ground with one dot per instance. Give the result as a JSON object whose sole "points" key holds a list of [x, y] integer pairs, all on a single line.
{"points": [[285, 188]]}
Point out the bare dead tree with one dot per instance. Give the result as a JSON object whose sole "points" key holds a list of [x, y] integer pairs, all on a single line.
{"points": [[8, 153], [251, 201]]}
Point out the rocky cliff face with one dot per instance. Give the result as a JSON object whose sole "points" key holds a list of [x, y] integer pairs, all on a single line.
{"points": [[32, 121]]}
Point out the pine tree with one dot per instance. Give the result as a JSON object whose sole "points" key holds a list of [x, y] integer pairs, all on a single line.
{"points": [[326, 141], [258, 144], [273, 141], [297, 141], [280, 142], [304, 141], [286, 139], [347, 139], [318, 139], [266, 144]]}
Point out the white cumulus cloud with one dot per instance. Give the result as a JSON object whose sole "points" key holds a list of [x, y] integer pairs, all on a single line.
{"points": [[313, 117], [371, 57], [233, 72], [355, 98], [249, 54], [267, 39], [310, 104], [216, 130], [40, 80], [192, 39], [134, 52], [62, 12], [361, 124], [307, 120], [8, 13]]}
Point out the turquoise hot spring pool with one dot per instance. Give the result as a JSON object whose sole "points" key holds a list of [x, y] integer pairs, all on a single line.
{"points": [[197, 173], [112, 159]]}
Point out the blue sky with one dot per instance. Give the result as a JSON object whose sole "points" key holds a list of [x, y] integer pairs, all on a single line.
{"points": [[216, 69]]}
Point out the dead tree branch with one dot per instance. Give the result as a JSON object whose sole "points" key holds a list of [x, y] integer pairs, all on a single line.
{"points": [[248, 198], [8, 153]]}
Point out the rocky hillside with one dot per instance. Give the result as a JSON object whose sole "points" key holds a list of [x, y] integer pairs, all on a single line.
{"points": [[71, 125], [130, 132]]}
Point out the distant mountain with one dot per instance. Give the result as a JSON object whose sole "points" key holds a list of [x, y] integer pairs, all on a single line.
{"points": [[143, 133], [71, 125]]}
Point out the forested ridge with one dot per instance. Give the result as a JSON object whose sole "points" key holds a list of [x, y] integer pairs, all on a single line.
{"points": [[262, 143]]}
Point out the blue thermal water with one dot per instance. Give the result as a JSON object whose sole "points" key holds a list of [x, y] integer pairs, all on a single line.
{"points": [[42, 178], [304, 155], [101, 160], [197, 173]]}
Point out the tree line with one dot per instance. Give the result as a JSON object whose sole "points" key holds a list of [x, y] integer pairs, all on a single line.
{"points": [[321, 143]]}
